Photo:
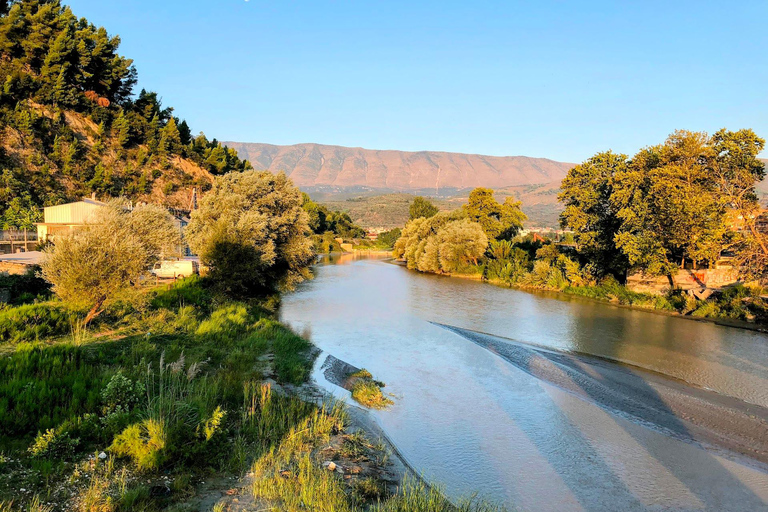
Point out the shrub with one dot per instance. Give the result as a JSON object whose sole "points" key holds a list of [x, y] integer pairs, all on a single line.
{"points": [[25, 287], [367, 391], [53, 444], [121, 394], [143, 442], [34, 322], [707, 310]]}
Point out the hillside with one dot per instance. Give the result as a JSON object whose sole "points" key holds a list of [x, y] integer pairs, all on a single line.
{"points": [[317, 165], [383, 211], [71, 125]]}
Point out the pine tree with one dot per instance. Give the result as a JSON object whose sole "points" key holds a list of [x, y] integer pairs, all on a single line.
{"points": [[170, 138], [122, 130]]}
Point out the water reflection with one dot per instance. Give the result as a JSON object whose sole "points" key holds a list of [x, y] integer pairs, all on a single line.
{"points": [[475, 422]]}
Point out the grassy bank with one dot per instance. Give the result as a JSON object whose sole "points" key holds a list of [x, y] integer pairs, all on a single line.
{"points": [[172, 397], [738, 306]]}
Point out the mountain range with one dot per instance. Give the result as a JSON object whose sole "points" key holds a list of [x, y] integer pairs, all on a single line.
{"points": [[317, 166]]}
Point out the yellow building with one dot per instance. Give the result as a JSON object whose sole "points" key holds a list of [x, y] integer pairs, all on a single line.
{"points": [[62, 219]]}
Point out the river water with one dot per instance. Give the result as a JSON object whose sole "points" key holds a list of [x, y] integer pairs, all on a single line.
{"points": [[474, 423]]}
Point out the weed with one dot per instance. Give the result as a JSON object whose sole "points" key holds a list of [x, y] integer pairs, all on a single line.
{"points": [[143, 442]]}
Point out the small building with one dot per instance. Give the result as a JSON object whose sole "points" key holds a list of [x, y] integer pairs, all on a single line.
{"points": [[64, 218]]}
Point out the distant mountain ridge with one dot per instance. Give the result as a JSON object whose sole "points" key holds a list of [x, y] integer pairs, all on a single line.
{"points": [[318, 165]]}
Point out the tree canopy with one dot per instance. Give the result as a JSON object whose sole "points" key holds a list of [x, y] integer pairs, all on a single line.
{"points": [[421, 207], [252, 233], [89, 267], [669, 204], [499, 220]]}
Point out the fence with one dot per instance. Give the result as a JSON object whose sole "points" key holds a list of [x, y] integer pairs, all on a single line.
{"points": [[17, 240]]}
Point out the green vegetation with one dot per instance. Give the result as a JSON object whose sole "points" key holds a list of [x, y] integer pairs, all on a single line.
{"points": [[455, 242], [688, 200], [252, 233], [322, 220], [500, 221], [89, 267], [367, 391], [451, 243], [387, 239], [381, 211], [421, 207], [164, 393], [71, 124]]}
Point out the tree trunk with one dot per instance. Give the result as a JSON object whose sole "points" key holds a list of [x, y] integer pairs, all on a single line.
{"points": [[671, 280], [94, 312]]}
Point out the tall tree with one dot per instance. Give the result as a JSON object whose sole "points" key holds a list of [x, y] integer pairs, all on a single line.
{"points": [[586, 193], [499, 221], [421, 207], [253, 234]]}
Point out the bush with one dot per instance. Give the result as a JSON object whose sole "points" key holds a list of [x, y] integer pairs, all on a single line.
{"points": [[143, 442], [34, 322], [53, 444], [121, 394], [707, 310], [25, 288]]}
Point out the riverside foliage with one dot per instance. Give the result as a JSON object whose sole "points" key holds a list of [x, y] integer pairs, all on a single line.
{"points": [[686, 201], [252, 233]]}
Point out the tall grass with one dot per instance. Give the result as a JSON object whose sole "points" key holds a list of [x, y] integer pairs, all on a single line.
{"points": [[33, 322], [414, 496]]}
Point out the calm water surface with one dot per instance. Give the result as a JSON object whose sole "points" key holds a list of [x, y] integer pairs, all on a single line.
{"points": [[475, 423]]}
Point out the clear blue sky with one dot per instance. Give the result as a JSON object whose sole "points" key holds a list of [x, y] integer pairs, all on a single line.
{"points": [[561, 80]]}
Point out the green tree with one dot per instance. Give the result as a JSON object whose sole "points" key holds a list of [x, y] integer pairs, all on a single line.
{"points": [[170, 138], [669, 206], [460, 243], [446, 242], [586, 193], [499, 221], [121, 129], [252, 233], [92, 265], [422, 207], [736, 170]]}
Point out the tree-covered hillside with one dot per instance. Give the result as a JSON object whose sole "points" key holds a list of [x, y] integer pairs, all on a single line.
{"points": [[70, 123]]}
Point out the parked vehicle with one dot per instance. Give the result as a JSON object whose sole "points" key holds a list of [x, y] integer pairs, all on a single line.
{"points": [[175, 268]]}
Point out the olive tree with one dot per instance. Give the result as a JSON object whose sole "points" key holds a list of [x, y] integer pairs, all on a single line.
{"points": [[90, 266], [252, 233]]}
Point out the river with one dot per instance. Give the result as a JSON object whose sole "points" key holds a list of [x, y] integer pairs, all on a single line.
{"points": [[497, 393]]}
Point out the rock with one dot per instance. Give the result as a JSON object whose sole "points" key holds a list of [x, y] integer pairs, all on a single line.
{"points": [[102, 455], [329, 465]]}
